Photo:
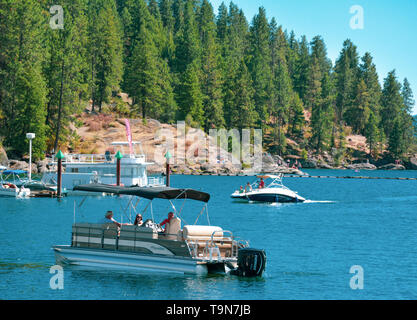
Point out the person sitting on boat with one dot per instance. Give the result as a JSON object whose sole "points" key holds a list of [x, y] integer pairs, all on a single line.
{"points": [[241, 190], [170, 216], [108, 218], [138, 221], [261, 184], [248, 187]]}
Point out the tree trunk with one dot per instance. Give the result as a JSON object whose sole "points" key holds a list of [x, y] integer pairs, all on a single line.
{"points": [[58, 125]]}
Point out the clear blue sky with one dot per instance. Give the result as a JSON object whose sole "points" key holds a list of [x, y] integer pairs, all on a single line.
{"points": [[389, 32]]}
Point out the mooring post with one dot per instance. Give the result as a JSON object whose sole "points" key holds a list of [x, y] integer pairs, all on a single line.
{"points": [[59, 156], [167, 156], [119, 157]]}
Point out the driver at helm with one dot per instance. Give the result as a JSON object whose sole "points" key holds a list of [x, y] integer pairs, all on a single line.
{"points": [[170, 216]]}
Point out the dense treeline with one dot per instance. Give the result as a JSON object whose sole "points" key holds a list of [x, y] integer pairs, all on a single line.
{"points": [[178, 61]]}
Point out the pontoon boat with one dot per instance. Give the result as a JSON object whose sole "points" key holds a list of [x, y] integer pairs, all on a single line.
{"points": [[188, 249]]}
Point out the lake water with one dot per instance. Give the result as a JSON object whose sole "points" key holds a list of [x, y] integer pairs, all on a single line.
{"points": [[310, 246]]}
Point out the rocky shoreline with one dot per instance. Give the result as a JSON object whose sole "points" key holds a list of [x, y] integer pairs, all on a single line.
{"points": [[270, 164]]}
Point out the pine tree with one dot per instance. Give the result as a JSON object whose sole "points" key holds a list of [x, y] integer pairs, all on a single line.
{"points": [[391, 102], [187, 38], [368, 73], [322, 114], [301, 69], [346, 75], [233, 51], [407, 94], [105, 50], [166, 8], [372, 134], [67, 69], [396, 145], [282, 93], [190, 96], [259, 64], [358, 113], [211, 74], [242, 108], [23, 91], [296, 117]]}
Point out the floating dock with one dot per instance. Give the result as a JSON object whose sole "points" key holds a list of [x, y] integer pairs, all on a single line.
{"points": [[45, 194]]}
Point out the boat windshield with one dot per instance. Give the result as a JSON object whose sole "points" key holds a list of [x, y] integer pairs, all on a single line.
{"points": [[271, 181]]}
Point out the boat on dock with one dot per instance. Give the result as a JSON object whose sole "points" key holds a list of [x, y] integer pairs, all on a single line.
{"points": [[9, 186], [189, 249], [272, 191], [83, 169]]}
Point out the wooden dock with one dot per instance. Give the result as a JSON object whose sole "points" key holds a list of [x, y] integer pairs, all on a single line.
{"points": [[44, 194]]}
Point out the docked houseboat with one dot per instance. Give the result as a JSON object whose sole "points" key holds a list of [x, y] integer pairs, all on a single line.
{"points": [[83, 169]]}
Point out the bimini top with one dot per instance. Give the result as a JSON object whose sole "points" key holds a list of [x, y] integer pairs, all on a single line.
{"points": [[146, 192], [14, 172]]}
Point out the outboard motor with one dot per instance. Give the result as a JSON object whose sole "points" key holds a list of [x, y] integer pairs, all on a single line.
{"points": [[250, 263]]}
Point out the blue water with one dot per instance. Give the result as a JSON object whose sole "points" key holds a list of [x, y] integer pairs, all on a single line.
{"points": [[310, 246]]}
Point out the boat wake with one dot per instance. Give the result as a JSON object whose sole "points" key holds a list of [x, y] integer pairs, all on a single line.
{"points": [[319, 201]]}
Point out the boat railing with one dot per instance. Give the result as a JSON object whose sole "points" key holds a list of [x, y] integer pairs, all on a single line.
{"points": [[156, 181], [109, 236], [127, 238], [214, 248], [97, 158]]}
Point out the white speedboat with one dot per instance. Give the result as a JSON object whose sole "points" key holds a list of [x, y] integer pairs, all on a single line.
{"points": [[188, 249], [9, 188], [272, 191], [83, 169]]}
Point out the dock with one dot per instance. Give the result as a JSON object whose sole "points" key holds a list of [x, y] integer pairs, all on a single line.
{"points": [[44, 194]]}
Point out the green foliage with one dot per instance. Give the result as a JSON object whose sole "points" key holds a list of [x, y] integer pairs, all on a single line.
{"points": [[176, 60]]}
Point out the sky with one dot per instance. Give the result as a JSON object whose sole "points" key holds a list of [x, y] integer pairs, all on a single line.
{"points": [[389, 30]]}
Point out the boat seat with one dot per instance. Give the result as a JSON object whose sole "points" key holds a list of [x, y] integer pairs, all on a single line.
{"points": [[194, 232], [173, 228], [110, 236], [87, 235]]}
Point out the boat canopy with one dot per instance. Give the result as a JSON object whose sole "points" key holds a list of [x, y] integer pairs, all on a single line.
{"points": [[146, 192], [14, 172]]}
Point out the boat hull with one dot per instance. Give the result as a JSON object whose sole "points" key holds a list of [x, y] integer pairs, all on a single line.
{"points": [[269, 195], [137, 262], [273, 198], [16, 193]]}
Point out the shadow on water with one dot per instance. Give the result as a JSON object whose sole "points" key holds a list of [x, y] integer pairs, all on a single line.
{"points": [[150, 285], [13, 266]]}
